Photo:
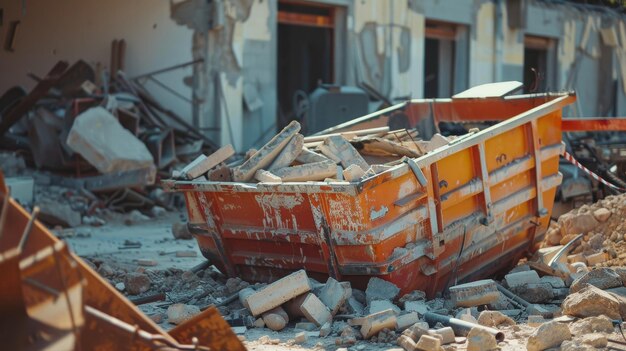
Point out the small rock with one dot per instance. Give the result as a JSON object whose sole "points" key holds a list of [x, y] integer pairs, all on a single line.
{"points": [[136, 283], [106, 271], [601, 324], [494, 319], [157, 211], [577, 223], [601, 214], [180, 231], [157, 318], [416, 306], [301, 337], [429, 343], [548, 335], [259, 323], [135, 217], [178, 313], [596, 258], [596, 340], [555, 282], [120, 286], [378, 289], [381, 305], [93, 221], [602, 278], [591, 301], [596, 241], [480, 340], [325, 329]]}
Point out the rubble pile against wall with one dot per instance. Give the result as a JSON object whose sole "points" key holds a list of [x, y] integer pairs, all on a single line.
{"points": [[85, 142]]}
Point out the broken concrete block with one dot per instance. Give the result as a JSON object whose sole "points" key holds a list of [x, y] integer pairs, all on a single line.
{"points": [[219, 174], [355, 307], [555, 282], [98, 136], [243, 296], [428, 343], [266, 155], [334, 295], [595, 259], [293, 306], [521, 278], [353, 173], [147, 262], [548, 335], [406, 320], [21, 189], [346, 153], [275, 319], [301, 337], [591, 301], [308, 156], [136, 283], [446, 335], [278, 292], [325, 150], [306, 172], [374, 323], [602, 278], [315, 311], [382, 305], [479, 340], [416, 306], [266, 176], [325, 329], [378, 289], [58, 214], [203, 164], [289, 153], [494, 319], [416, 330], [481, 292], [178, 312], [406, 343], [535, 292]]}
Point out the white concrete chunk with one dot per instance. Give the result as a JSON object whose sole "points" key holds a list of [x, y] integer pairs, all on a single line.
{"points": [[308, 156], [334, 295], [522, 278], [353, 173], [98, 136], [266, 176], [315, 311], [345, 152], [278, 292], [306, 172]]}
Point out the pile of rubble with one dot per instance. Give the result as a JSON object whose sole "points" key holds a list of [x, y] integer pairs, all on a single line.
{"points": [[291, 157], [523, 310], [596, 233], [98, 140]]}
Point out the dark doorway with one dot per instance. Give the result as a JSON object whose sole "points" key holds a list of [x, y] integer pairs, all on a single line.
{"points": [[534, 70], [431, 68], [305, 54]]}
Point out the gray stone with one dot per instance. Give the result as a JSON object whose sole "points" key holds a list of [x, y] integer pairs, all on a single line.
{"points": [[382, 305], [602, 278], [416, 306], [521, 278], [548, 335], [178, 313], [476, 293], [378, 289], [55, 213], [136, 283], [355, 307], [591, 301], [535, 292], [98, 136], [556, 282], [334, 294]]}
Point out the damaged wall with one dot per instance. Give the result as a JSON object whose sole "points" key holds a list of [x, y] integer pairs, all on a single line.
{"points": [[84, 29]]}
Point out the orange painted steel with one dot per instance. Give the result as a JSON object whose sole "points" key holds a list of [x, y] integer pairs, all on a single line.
{"points": [[594, 124], [47, 289], [466, 210]]}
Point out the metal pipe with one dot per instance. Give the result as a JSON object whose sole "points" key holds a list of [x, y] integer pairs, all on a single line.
{"points": [[148, 299], [461, 327], [512, 296]]}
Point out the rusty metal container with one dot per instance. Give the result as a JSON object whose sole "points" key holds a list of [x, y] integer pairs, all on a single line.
{"points": [[463, 211]]}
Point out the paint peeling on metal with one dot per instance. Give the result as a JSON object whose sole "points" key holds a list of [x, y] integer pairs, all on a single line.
{"points": [[376, 214]]}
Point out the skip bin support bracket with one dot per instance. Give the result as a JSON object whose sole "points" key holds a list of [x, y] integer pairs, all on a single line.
{"points": [[541, 211], [484, 176]]}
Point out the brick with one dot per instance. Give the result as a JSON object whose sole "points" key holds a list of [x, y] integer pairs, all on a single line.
{"points": [[521, 278], [476, 293], [406, 320], [428, 343], [314, 310], [266, 176], [346, 153], [353, 173], [309, 171], [334, 295], [308, 156], [407, 343], [595, 259], [301, 337], [374, 323], [289, 153], [203, 163], [266, 155], [278, 292], [446, 335]]}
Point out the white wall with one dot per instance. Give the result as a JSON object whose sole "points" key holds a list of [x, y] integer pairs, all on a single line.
{"points": [[84, 29]]}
